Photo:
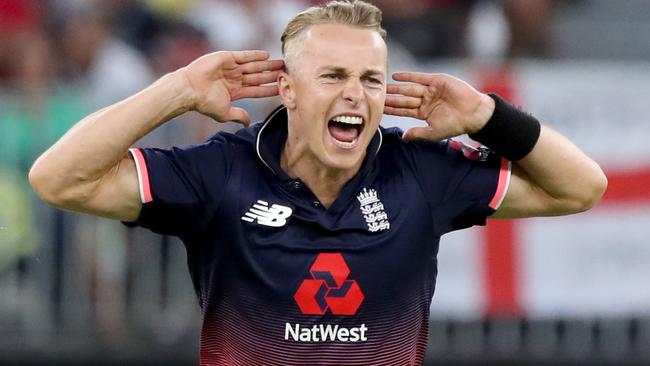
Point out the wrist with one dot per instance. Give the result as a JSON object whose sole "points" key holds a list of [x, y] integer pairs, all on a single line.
{"points": [[482, 114], [175, 89], [509, 132]]}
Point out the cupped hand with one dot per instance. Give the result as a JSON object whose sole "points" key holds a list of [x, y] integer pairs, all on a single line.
{"points": [[450, 106], [217, 79]]}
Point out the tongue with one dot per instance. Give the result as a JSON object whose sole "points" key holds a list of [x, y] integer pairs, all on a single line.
{"points": [[343, 132]]}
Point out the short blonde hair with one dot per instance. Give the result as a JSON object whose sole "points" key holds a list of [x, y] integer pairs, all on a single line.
{"points": [[356, 13]]}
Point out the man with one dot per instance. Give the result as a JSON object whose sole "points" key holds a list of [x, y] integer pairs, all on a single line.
{"points": [[312, 237]]}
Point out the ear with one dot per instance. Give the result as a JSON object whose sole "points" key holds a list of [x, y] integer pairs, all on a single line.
{"points": [[286, 90]]}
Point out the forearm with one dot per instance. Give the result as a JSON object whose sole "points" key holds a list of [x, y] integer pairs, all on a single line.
{"points": [[550, 176], [96, 144], [555, 178], [566, 174]]}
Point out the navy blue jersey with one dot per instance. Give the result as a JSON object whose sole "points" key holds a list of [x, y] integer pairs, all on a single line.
{"points": [[282, 280]]}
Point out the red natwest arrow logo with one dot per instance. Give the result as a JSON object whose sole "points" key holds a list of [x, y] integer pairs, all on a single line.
{"points": [[329, 288]]}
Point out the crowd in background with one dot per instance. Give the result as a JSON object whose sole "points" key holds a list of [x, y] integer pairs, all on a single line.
{"points": [[106, 50], [60, 59]]}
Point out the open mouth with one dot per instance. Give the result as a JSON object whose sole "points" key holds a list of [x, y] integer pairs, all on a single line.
{"points": [[345, 129]]}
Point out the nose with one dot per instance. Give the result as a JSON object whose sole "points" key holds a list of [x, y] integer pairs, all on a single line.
{"points": [[353, 91]]}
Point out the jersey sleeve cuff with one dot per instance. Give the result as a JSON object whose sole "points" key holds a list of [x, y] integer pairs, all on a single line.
{"points": [[505, 172], [143, 175]]}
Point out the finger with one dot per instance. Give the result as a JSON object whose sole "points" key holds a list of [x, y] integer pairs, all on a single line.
{"points": [[249, 56], [238, 115], [411, 90], [257, 91], [401, 112], [423, 133], [416, 77], [261, 66], [260, 78], [400, 101]]}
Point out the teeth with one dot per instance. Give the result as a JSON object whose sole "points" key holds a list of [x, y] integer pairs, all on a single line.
{"points": [[353, 120], [346, 145]]}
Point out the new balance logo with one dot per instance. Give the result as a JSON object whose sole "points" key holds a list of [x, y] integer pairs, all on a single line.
{"points": [[274, 216]]}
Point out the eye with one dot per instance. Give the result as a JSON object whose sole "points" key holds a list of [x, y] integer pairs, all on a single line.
{"points": [[374, 82], [330, 76]]}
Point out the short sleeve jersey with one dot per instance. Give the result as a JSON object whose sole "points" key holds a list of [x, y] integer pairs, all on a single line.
{"points": [[282, 280]]}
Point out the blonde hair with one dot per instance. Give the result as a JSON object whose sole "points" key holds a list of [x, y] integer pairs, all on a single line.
{"points": [[356, 13]]}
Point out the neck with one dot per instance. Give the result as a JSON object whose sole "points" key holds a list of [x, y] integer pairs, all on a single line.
{"points": [[325, 182]]}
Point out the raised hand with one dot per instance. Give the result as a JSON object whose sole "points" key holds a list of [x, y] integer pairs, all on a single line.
{"points": [[450, 106], [217, 79]]}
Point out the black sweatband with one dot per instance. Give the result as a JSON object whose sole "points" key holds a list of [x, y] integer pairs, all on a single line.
{"points": [[510, 132]]}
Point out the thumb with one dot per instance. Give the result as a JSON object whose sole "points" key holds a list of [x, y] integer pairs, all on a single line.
{"points": [[423, 133], [238, 115]]}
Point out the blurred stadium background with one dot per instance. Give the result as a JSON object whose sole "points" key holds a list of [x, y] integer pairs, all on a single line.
{"points": [[79, 290]]}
